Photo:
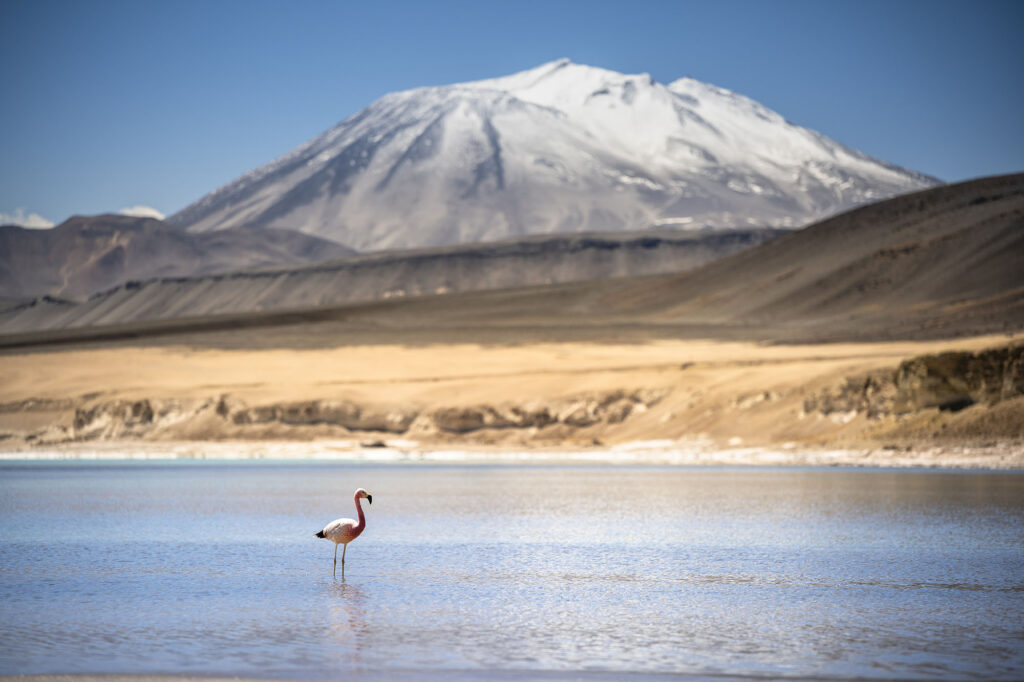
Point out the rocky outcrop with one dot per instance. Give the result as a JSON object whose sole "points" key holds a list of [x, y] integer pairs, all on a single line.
{"points": [[229, 417], [460, 420], [579, 412], [955, 380], [132, 419], [869, 394], [947, 381], [337, 413]]}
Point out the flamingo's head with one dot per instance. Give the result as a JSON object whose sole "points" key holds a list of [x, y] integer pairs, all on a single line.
{"points": [[363, 493]]}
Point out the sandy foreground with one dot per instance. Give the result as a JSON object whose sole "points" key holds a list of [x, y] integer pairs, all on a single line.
{"points": [[664, 401]]}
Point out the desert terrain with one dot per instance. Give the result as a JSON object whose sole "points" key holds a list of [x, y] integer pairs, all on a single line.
{"points": [[689, 394], [890, 334]]}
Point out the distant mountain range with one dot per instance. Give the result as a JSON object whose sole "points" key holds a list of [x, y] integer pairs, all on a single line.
{"points": [[546, 259], [938, 263], [84, 255], [561, 148]]}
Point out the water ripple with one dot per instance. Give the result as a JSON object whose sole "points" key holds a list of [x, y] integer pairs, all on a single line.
{"points": [[488, 571]]}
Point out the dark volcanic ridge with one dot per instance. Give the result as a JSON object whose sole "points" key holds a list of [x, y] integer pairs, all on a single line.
{"points": [[88, 254], [535, 260]]}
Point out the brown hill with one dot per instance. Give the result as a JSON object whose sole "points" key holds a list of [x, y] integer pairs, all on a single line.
{"points": [[944, 262], [941, 263], [948, 260], [87, 254], [534, 260]]}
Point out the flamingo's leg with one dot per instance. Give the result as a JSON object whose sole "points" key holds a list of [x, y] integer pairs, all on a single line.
{"points": [[342, 556], [336, 560]]}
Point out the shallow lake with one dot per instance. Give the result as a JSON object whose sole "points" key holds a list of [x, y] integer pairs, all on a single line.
{"points": [[556, 572]]}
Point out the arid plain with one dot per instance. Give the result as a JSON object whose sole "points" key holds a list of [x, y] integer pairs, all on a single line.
{"points": [[548, 395]]}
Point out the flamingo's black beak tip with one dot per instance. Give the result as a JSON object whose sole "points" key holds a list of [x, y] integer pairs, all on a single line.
{"points": [[369, 498]]}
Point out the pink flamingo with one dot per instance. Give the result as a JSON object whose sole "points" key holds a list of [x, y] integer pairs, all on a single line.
{"points": [[344, 531]]}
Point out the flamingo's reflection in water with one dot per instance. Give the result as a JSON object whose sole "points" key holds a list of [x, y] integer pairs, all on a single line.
{"points": [[347, 608]]}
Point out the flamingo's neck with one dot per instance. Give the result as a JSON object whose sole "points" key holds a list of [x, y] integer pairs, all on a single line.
{"points": [[361, 520]]}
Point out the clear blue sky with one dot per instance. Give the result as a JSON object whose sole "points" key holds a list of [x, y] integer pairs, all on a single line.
{"points": [[107, 104]]}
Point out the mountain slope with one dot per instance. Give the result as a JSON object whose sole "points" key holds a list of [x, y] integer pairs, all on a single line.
{"points": [[940, 263], [560, 148], [373, 277], [87, 254]]}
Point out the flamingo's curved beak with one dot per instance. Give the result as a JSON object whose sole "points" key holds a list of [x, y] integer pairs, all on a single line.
{"points": [[369, 498]]}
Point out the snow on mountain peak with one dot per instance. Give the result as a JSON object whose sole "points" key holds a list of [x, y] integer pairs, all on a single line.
{"points": [[562, 147]]}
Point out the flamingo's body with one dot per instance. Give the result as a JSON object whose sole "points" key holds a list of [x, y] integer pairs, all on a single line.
{"points": [[344, 531]]}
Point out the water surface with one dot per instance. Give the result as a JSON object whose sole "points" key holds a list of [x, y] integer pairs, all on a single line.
{"points": [[212, 568]]}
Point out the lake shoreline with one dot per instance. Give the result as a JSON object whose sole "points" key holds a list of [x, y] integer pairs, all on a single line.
{"points": [[410, 675], [691, 453]]}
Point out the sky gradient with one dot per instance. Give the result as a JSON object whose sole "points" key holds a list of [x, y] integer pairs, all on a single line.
{"points": [[110, 104]]}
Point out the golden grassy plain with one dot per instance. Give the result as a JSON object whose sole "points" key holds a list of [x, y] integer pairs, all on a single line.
{"points": [[728, 394]]}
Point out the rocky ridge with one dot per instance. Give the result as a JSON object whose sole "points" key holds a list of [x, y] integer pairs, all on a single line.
{"points": [[227, 417], [948, 382]]}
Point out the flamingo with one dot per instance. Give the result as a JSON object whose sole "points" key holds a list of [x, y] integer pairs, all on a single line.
{"points": [[344, 531]]}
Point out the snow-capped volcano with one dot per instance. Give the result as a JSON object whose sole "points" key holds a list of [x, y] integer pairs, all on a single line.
{"points": [[559, 148]]}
